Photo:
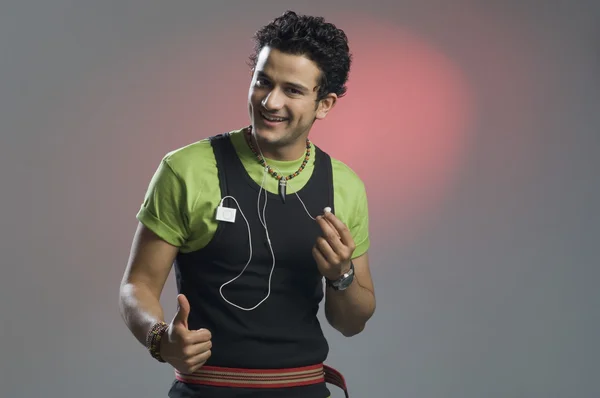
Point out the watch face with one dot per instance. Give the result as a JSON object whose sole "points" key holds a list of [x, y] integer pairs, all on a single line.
{"points": [[345, 282]]}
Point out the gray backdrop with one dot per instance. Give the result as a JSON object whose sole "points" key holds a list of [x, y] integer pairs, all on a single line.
{"points": [[484, 228]]}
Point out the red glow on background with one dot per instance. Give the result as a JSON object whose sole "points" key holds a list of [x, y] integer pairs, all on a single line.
{"points": [[402, 125]]}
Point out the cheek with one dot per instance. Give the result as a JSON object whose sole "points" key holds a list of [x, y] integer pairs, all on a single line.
{"points": [[306, 113]]}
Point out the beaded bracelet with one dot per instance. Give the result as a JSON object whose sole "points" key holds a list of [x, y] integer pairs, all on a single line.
{"points": [[153, 340]]}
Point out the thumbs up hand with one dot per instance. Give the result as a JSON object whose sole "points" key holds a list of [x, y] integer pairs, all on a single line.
{"points": [[186, 350]]}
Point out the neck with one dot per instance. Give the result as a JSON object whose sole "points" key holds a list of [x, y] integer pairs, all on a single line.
{"points": [[281, 177], [291, 152], [281, 153]]}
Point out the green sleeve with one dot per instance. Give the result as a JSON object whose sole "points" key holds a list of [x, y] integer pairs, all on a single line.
{"points": [[351, 207], [164, 208], [359, 223]]}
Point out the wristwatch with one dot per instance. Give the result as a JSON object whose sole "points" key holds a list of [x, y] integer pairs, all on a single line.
{"points": [[343, 281]]}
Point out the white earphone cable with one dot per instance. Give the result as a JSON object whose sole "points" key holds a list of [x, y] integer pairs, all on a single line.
{"points": [[263, 220]]}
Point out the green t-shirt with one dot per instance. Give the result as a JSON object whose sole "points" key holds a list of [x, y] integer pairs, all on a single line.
{"points": [[179, 205]]}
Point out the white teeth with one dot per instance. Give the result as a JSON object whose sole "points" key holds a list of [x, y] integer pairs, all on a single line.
{"points": [[272, 119]]}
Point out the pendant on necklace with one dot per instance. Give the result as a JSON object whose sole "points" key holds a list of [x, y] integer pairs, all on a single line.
{"points": [[282, 188]]}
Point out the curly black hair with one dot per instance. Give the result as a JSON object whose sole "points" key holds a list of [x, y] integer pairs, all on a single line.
{"points": [[320, 41]]}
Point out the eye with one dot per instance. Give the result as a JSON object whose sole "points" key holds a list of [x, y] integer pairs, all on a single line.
{"points": [[262, 82], [294, 91]]}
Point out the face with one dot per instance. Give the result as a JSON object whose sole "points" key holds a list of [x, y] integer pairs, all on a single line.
{"points": [[283, 104]]}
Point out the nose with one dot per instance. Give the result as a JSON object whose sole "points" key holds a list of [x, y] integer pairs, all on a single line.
{"points": [[273, 100]]}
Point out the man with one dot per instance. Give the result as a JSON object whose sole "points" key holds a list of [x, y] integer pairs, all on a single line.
{"points": [[255, 220]]}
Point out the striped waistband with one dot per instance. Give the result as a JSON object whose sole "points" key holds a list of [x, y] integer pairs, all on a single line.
{"points": [[264, 378]]}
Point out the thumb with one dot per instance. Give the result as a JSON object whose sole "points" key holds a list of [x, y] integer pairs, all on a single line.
{"points": [[183, 311]]}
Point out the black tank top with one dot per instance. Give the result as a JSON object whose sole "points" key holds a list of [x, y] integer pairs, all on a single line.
{"points": [[282, 332]]}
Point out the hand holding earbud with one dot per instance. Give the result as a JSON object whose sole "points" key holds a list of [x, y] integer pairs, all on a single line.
{"points": [[333, 250], [186, 350]]}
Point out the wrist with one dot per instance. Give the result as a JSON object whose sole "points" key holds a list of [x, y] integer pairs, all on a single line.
{"points": [[343, 281], [154, 339], [334, 275]]}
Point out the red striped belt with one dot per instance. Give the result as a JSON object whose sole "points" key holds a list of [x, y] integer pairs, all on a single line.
{"points": [[264, 378]]}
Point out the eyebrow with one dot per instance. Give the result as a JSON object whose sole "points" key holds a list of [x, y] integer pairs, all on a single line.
{"points": [[297, 86]]}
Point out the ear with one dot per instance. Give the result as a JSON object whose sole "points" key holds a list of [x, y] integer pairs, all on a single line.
{"points": [[326, 105]]}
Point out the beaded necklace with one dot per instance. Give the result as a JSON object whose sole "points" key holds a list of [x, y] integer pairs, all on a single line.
{"points": [[282, 179]]}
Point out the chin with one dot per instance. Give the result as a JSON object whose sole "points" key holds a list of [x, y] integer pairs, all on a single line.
{"points": [[268, 135]]}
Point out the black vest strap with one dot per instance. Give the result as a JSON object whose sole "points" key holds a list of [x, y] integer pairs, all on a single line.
{"points": [[284, 331]]}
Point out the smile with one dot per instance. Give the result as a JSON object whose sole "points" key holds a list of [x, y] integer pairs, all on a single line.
{"points": [[272, 118]]}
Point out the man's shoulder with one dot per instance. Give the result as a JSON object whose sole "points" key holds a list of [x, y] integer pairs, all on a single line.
{"points": [[343, 172], [196, 156], [190, 155]]}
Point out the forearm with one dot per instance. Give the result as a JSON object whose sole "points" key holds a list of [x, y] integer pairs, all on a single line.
{"points": [[349, 310], [140, 309]]}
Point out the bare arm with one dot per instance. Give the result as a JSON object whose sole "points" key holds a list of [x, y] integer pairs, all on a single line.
{"points": [[147, 270], [349, 310], [149, 265]]}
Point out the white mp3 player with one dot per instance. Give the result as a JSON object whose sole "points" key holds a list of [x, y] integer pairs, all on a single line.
{"points": [[226, 214]]}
